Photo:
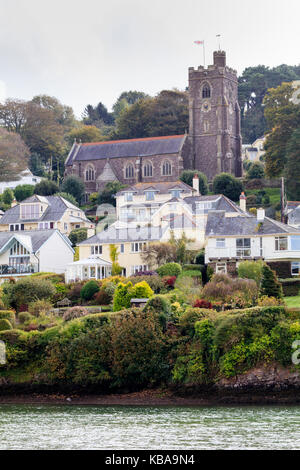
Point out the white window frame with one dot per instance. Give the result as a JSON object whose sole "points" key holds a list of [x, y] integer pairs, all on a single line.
{"points": [[279, 241], [298, 265], [221, 268], [220, 243], [137, 247]]}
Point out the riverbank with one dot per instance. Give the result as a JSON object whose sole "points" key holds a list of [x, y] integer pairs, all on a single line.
{"points": [[156, 397]]}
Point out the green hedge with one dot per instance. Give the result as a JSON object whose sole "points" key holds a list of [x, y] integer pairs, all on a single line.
{"points": [[9, 315], [290, 287]]}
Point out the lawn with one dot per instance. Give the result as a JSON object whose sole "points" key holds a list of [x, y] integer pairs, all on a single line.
{"points": [[273, 193], [292, 301]]}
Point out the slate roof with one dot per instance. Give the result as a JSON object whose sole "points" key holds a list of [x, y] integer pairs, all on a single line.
{"points": [[32, 239], [219, 225], [145, 147], [55, 210], [163, 187], [219, 202], [120, 235]]}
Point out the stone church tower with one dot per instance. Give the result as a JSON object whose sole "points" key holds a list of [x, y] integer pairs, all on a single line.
{"points": [[214, 119]]}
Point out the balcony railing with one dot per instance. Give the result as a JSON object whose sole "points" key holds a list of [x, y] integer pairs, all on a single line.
{"points": [[7, 270]]}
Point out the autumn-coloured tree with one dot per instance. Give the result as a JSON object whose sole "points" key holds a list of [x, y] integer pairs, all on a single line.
{"points": [[13, 155], [85, 134]]}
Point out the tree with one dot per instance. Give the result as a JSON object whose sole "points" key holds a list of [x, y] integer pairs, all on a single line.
{"points": [[75, 186], [188, 175], [97, 115], [292, 168], [256, 171], [283, 118], [68, 197], [64, 115], [270, 285], [126, 99], [85, 134], [23, 191], [116, 269], [78, 235], [156, 254], [46, 188], [8, 196], [13, 155], [107, 195], [226, 184]]}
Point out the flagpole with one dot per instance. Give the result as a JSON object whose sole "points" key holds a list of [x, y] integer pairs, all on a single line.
{"points": [[204, 53]]}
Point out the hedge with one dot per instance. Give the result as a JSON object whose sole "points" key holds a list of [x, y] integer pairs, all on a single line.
{"points": [[291, 287], [8, 315]]}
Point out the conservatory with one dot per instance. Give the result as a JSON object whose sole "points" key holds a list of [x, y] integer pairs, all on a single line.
{"points": [[88, 268]]}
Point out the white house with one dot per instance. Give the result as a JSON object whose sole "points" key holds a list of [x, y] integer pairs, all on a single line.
{"points": [[24, 253], [233, 239], [26, 177]]}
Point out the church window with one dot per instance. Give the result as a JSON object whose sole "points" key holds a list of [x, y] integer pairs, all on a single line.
{"points": [[167, 168], [148, 169], [89, 173], [129, 171], [206, 126], [206, 91]]}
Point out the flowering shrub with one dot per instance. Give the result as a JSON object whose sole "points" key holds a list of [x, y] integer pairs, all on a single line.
{"points": [[169, 281], [202, 303], [102, 298], [237, 293], [74, 312], [266, 301]]}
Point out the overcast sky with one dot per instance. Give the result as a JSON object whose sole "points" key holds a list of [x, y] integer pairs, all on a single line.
{"points": [[88, 51]]}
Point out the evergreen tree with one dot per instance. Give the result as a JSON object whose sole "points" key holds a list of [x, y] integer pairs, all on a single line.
{"points": [[270, 285], [188, 175]]}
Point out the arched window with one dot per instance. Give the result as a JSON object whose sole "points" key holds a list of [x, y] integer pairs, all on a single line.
{"points": [[206, 91], [148, 171], [89, 173], [166, 168], [129, 172]]}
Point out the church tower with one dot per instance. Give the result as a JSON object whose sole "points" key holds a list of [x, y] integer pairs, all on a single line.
{"points": [[214, 119]]}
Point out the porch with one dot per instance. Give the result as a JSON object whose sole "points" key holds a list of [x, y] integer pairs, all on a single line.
{"points": [[88, 268]]}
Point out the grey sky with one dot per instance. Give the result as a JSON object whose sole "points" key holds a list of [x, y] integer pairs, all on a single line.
{"points": [[91, 50]]}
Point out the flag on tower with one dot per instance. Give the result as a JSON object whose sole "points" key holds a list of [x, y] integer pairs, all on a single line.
{"points": [[199, 42]]}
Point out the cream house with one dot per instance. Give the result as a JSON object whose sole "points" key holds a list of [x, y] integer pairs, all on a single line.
{"points": [[44, 213]]}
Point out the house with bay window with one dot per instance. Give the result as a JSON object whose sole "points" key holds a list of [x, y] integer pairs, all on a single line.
{"points": [[28, 252], [231, 240], [44, 213]]}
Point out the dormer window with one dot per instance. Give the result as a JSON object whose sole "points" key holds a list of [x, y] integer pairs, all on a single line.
{"points": [[128, 197], [176, 193], [30, 211], [150, 195]]}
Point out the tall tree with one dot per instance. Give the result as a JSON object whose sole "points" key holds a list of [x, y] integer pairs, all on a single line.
{"points": [[13, 155], [85, 134], [292, 169]]}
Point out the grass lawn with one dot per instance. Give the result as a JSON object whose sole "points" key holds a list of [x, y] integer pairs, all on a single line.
{"points": [[273, 193], [292, 301]]}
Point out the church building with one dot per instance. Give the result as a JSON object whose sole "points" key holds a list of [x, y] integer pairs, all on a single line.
{"points": [[213, 144]]}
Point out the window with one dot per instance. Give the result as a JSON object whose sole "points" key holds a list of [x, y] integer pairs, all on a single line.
{"points": [[220, 243], [122, 248], [138, 268], [44, 225], [295, 268], [150, 195], [65, 227], [203, 207], [221, 268], [16, 227], [281, 243], [96, 250], [128, 197], [167, 168], [206, 91], [175, 193], [30, 211], [295, 243], [89, 173], [129, 172], [243, 247], [147, 169], [18, 250], [137, 247]]}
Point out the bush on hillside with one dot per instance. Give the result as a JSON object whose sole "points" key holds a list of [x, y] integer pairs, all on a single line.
{"points": [[251, 270], [5, 324], [89, 290], [25, 317], [270, 285], [28, 290], [235, 292], [40, 307], [75, 312], [9, 315], [169, 269], [228, 185]]}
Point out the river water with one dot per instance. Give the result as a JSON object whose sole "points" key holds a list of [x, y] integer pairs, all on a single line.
{"points": [[136, 427]]}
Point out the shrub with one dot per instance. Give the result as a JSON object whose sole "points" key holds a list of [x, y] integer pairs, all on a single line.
{"points": [[89, 290], [188, 175], [154, 280], [9, 315], [39, 307], [235, 292], [141, 290], [270, 285], [159, 304], [24, 317], [266, 301], [169, 281], [122, 296], [28, 290], [102, 297], [74, 293], [189, 318], [5, 324], [78, 235], [256, 171], [202, 303], [251, 270], [75, 312], [169, 269], [290, 287]]}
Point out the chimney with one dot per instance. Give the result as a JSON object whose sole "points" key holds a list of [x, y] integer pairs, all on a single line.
{"points": [[260, 215], [220, 58], [243, 200], [196, 185], [14, 203]]}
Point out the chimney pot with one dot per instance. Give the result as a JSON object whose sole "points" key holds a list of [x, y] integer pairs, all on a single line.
{"points": [[243, 201], [196, 184]]}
